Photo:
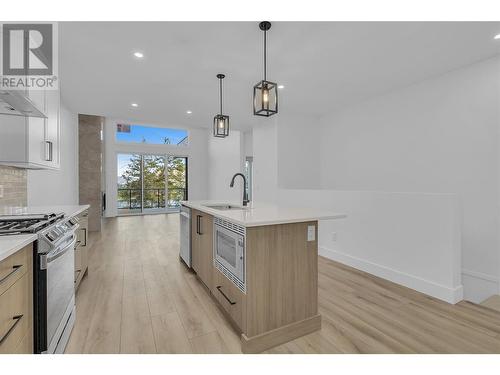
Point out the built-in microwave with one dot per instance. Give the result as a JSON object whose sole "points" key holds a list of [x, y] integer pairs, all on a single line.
{"points": [[229, 251]]}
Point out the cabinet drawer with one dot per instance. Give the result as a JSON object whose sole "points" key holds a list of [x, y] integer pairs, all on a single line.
{"points": [[13, 268], [15, 315], [229, 296]]}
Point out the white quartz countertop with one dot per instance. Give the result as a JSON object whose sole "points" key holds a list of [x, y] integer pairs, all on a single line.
{"points": [[10, 244], [70, 210], [263, 214]]}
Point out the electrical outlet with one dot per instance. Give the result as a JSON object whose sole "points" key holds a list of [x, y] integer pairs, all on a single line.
{"points": [[1, 191], [311, 233], [334, 236]]}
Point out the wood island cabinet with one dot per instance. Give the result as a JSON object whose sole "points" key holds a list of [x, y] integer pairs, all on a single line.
{"points": [[281, 267], [202, 246]]}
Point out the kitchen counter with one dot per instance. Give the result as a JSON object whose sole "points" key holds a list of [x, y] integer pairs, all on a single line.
{"points": [[69, 210], [262, 214], [10, 244]]}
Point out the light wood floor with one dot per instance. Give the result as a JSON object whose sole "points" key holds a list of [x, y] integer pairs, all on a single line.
{"points": [[493, 303], [139, 298]]}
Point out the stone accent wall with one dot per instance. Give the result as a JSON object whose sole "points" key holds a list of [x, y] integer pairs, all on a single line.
{"points": [[90, 156], [15, 187]]}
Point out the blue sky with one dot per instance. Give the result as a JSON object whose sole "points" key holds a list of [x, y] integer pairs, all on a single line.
{"points": [[151, 135]]}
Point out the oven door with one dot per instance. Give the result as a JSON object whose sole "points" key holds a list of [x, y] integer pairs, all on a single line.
{"points": [[60, 272], [230, 251]]}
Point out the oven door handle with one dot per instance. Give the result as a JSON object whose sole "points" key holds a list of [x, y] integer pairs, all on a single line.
{"points": [[50, 257]]}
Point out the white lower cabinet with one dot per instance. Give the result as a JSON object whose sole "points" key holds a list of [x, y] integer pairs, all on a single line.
{"points": [[31, 142]]}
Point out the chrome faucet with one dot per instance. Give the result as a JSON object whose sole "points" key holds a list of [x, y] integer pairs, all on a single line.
{"points": [[245, 195]]}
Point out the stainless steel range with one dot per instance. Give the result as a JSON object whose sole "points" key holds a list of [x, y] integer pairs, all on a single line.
{"points": [[54, 293]]}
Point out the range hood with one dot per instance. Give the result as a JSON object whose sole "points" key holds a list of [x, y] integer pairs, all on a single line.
{"points": [[16, 103]]}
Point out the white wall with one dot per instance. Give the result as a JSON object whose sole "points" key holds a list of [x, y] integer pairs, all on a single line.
{"points": [[298, 152], [437, 136], [196, 151], [248, 143], [58, 187], [225, 158], [265, 162]]}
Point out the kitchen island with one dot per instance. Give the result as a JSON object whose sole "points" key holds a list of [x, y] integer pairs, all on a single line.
{"points": [[260, 263]]}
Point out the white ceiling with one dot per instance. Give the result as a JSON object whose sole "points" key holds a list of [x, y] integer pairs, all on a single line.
{"points": [[324, 65]]}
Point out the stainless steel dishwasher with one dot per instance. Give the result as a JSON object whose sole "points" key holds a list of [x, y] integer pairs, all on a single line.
{"points": [[185, 235]]}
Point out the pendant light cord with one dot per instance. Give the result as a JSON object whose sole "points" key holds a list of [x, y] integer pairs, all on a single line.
{"points": [[220, 81], [265, 55]]}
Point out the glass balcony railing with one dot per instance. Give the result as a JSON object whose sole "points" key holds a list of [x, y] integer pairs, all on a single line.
{"points": [[132, 201]]}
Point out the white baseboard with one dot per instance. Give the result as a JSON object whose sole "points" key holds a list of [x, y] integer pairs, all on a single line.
{"points": [[479, 286], [447, 294]]}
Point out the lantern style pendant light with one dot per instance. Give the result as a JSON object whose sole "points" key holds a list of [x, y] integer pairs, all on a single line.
{"points": [[265, 93], [221, 122]]}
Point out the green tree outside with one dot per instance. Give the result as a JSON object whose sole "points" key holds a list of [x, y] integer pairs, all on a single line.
{"points": [[154, 181]]}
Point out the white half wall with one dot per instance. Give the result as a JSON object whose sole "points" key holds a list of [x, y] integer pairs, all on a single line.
{"points": [[46, 187], [411, 239]]}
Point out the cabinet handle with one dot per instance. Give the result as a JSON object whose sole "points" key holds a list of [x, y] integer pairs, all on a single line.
{"points": [[17, 319], [198, 224], [14, 270], [85, 236], [48, 151], [219, 288]]}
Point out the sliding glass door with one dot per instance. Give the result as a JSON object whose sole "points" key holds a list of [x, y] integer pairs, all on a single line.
{"points": [[154, 183], [144, 182], [176, 181], [129, 184]]}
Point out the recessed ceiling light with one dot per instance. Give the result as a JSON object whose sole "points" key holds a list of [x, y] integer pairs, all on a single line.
{"points": [[139, 55], [189, 112], [135, 105], [496, 36], [281, 86]]}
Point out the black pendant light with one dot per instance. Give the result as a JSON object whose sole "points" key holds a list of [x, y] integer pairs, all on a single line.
{"points": [[265, 93], [221, 122]]}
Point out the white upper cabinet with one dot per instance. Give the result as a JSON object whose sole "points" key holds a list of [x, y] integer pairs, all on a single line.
{"points": [[32, 142]]}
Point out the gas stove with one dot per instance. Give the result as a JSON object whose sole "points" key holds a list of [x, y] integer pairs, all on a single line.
{"points": [[27, 223]]}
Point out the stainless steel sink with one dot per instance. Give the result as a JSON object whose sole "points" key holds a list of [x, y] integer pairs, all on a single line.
{"points": [[225, 207]]}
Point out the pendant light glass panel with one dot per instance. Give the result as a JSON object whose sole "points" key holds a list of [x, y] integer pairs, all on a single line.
{"points": [[221, 126], [265, 98]]}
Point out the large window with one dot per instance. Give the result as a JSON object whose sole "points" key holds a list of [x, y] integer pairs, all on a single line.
{"points": [[150, 135], [145, 180]]}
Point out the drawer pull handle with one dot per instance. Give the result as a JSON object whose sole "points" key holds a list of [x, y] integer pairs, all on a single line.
{"points": [[17, 319], [219, 288], [14, 270]]}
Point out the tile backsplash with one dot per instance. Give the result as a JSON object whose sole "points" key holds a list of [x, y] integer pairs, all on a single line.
{"points": [[14, 183]]}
